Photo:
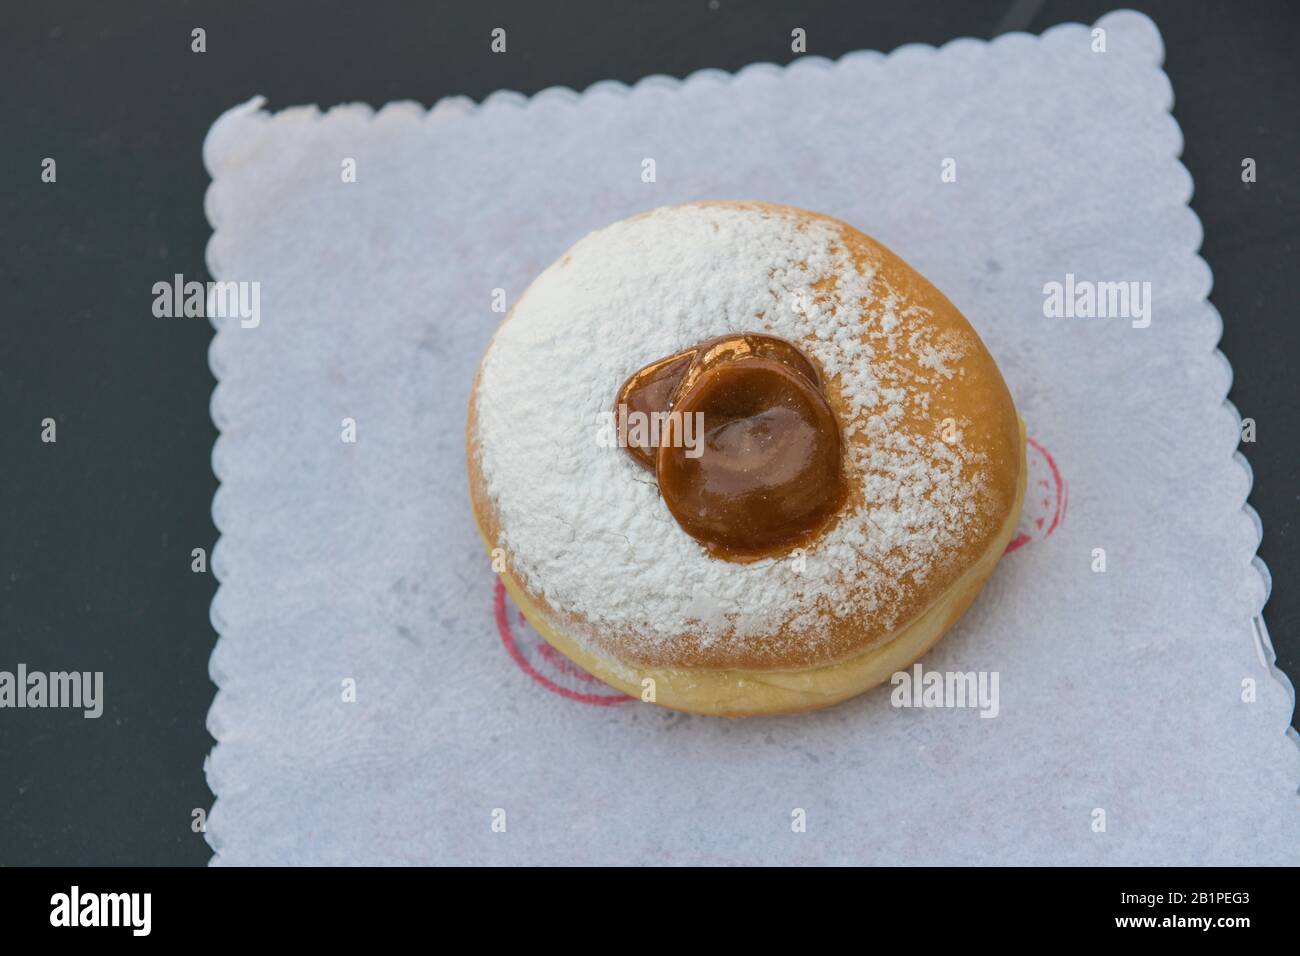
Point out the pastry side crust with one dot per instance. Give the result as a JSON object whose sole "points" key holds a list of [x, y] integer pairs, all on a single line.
{"points": [[748, 693]]}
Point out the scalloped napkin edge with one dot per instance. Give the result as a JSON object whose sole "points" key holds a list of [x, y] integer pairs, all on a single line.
{"points": [[229, 137]]}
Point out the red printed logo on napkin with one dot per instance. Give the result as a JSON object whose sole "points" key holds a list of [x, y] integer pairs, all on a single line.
{"points": [[545, 664], [1046, 496]]}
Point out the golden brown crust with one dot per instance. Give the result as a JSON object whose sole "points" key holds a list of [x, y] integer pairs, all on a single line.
{"points": [[975, 396], [726, 692]]}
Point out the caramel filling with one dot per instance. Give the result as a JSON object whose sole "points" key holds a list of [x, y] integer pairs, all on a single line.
{"points": [[762, 473], [652, 391]]}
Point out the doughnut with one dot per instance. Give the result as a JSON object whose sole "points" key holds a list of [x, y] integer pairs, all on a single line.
{"points": [[736, 458]]}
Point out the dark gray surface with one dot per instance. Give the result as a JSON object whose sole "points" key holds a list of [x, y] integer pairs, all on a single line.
{"points": [[98, 528]]}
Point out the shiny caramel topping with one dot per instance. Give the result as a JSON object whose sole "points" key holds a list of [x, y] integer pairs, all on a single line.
{"points": [[656, 388], [650, 391], [745, 346], [749, 461]]}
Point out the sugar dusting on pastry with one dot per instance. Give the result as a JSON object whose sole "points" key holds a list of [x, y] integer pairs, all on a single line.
{"points": [[586, 529]]}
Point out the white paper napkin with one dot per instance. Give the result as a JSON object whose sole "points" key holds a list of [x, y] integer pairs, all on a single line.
{"points": [[356, 564]]}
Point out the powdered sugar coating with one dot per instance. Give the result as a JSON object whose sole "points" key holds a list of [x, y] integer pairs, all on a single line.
{"points": [[585, 527]]}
